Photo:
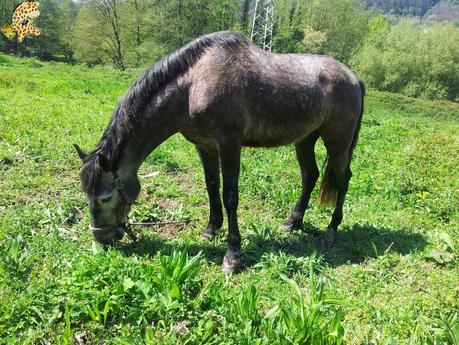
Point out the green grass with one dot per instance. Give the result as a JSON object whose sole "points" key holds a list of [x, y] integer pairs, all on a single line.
{"points": [[392, 277]]}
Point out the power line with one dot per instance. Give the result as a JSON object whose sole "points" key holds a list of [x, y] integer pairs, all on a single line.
{"points": [[263, 24]]}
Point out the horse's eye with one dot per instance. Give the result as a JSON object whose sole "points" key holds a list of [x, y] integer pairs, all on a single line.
{"points": [[106, 199]]}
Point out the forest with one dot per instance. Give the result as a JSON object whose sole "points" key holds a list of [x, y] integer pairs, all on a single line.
{"points": [[405, 46]]}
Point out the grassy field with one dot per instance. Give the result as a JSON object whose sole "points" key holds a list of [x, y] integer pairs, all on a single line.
{"points": [[392, 277]]}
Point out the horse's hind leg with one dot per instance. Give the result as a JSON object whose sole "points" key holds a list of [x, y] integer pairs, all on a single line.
{"points": [[340, 136], [309, 175], [336, 182], [210, 162]]}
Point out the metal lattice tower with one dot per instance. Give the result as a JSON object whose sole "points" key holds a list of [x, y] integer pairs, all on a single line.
{"points": [[263, 24]]}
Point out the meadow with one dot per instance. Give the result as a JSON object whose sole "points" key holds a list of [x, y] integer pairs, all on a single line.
{"points": [[391, 277]]}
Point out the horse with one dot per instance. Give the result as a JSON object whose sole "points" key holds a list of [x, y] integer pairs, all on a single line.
{"points": [[222, 92]]}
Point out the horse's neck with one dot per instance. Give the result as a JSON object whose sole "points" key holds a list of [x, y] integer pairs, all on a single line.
{"points": [[137, 150], [154, 127]]}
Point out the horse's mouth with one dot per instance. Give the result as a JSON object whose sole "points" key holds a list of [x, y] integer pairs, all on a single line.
{"points": [[108, 234]]}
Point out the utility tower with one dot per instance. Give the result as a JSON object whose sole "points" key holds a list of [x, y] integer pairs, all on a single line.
{"points": [[263, 24]]}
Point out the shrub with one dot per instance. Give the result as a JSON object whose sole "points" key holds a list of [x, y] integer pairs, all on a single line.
{"points": [[418, 61]]}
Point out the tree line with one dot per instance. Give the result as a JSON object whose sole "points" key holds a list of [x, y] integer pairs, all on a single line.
{"points": [[414, 59], [404, 7]]}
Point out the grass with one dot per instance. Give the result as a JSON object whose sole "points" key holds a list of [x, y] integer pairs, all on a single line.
{"points": [[391, 278]]}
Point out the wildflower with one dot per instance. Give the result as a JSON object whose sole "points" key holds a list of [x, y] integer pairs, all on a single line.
{"points": [[180, 328]]}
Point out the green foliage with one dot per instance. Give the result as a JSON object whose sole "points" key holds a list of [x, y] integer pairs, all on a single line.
{"points": [[447, 251], [281, 263], [67, 333], [245, 17], [329, 27], [313, 41], [451, 329], [176, 269], [416, 61], [304, 319], [144, 30]]}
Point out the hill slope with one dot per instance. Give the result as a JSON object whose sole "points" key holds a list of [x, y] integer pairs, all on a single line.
{"points": [[404, 7]]}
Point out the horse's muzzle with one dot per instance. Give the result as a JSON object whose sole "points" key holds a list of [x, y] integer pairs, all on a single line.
{"points": [[108, 234]]}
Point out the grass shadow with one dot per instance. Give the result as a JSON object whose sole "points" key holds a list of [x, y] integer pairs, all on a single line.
{"points": [[148, 245], [352, 245]]}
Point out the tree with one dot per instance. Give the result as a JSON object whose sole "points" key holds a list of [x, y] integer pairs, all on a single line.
{"points": [[100, 31], [313, 41], [289, 25], [69, 13], [223, 15], [244, 21], [341, 23], [418, 61]]}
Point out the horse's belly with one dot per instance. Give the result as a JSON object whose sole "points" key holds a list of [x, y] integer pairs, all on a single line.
{"points": [[271, 133]]}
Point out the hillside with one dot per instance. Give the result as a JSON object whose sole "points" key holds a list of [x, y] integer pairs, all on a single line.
{"points": [[404, 7], [443, 11]]}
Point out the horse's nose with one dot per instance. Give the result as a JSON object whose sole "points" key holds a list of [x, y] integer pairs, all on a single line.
{"points": [[107, 235], [104, 235], [105, 238]]}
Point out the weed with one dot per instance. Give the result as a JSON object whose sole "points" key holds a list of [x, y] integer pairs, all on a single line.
{"points": [[446, 252], [306, 319]]}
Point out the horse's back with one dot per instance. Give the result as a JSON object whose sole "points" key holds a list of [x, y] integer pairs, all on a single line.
{"points": [[294, 95], [272, 99]]}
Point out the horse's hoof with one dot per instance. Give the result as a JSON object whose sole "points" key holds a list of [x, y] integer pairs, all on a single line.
{"points": [[208, 234], [329, 237], [231, 262], [289, 226]]}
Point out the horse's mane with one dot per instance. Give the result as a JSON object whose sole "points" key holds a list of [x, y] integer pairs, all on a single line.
{"points": [[126, 115]]}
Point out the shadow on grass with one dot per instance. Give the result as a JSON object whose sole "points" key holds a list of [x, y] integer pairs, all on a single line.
{"points": [[149, 244], [352, 245]]}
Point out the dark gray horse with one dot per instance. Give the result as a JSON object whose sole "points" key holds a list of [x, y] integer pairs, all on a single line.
{"points": [[222, 93]]}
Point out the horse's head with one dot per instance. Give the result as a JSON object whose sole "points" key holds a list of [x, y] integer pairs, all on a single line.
{"points": [[110, 194]]}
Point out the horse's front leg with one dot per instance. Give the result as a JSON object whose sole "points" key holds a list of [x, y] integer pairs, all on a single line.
{"points": [[211, 163], [230, 157]]}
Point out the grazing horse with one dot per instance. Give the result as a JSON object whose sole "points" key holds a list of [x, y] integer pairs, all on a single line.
{"points": [[221, 92]]}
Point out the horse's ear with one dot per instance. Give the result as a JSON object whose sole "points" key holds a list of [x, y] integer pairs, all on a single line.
{"points": [[80, 152], [103, 162]]}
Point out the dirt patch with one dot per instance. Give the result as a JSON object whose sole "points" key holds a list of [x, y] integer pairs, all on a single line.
{"points": [[167, 231], [184, 179]]}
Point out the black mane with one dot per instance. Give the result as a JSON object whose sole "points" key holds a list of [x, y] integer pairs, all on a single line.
{"points": [[127, 112]]}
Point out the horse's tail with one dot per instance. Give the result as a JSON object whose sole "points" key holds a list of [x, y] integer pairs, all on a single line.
{"points": [[328, 190], [359, 122]]}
